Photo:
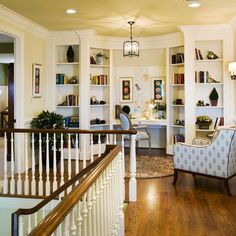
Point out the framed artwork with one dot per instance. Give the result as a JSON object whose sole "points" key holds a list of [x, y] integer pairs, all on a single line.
{"points": [[126, 89], [157, 88], [36, 80]]}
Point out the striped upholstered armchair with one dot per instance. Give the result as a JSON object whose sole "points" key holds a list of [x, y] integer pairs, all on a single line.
{"points": [[215, 159]]}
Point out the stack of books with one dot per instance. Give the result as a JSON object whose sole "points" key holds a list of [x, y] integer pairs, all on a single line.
{"points": [[178, 78], [198, 54], [99, 80], [201, 77], [72, 100], [179, 138]]}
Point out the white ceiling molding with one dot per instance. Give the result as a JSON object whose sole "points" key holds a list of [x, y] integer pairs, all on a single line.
{"points": [[22, 22], [232, 22]]}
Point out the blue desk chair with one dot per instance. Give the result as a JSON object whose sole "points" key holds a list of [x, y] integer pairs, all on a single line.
{"points": [[142, 131]]}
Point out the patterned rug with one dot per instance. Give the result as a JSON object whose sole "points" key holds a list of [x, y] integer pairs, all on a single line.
{"points": [[151, 167]]}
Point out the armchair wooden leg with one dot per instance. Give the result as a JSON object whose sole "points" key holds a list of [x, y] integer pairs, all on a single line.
{"points": [[175, 177], [226, 184], [150, 150]]}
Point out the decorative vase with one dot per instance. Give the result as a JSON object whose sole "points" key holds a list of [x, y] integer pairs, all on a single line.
{"points": [[214, 102], [99, 60], [70, 54]]}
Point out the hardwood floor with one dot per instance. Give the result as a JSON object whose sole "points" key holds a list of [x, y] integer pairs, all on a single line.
{"points": [[201, 208]]}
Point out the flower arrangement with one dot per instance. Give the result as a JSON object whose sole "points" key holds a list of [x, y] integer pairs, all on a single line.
{"points": [[158, 106], [203, 122]]}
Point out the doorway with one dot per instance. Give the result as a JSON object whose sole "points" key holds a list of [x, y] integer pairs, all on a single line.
{"points": [[6, 86]]}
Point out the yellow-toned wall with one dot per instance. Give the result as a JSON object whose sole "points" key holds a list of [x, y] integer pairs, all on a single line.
{"points": [[34, 52]]}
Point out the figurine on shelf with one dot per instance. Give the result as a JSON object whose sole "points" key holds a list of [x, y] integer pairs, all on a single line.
{"points": [[211, 55], [70, 54]]}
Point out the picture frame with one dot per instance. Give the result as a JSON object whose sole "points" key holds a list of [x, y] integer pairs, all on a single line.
{"points": [[36, 80], [157, 88], [126, 89]]}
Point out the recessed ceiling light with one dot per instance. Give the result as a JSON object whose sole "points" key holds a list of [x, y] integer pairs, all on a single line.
{"points": [[70, 11], [194, 4]]}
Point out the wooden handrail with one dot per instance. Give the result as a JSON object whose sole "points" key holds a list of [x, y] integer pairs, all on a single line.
{"points": [[71, 131], [59, 213], [55, 194]]}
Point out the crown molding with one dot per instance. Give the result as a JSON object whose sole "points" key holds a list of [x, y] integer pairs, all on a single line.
{"points": [[232, 22], [194, 28], [22, 22]]}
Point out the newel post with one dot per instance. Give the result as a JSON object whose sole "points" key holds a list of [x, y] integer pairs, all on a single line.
{"points": [[132, 182]]}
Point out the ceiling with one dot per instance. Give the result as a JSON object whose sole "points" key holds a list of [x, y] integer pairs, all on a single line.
{"points": [[110, 17]]}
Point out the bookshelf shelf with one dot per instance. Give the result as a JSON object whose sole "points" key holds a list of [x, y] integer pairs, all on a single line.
{"points": [[64, 107], [205, 130], [100, 86], [177, 64], [213, 60], [209, 107], [67, 93], [67, 63], [177, 126], [100, 105], [99, 66], [177, 85]]}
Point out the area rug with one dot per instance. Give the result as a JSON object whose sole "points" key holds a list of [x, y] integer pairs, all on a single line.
{"points": [[151, 167]]}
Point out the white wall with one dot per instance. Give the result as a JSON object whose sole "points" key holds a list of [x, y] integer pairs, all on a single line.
{"points": [[150, 63]]}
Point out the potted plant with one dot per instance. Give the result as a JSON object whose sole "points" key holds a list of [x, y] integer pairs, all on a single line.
{"points": [[160, 108], [203, 122], [48, 120], [214, 97]]}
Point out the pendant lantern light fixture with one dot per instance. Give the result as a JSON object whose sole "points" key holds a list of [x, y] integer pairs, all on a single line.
{"points": [[131, 47]]}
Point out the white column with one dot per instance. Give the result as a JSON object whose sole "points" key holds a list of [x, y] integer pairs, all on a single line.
{"points": [[132, 181], [84, 89]]}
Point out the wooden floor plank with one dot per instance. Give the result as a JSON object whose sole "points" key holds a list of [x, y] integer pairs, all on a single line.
{"points": [[185, 209]]}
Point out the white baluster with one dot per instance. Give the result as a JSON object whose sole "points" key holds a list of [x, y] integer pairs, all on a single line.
{"points": [[54, 163], [132, 181], [109, 201], [121, 195], [66, 226], [123, 163], [94, 202], [33, 185], [107, 139], [69, 163], [89, 206], [72, 227], [117, 190], [108, 198], [104, 202], [91, 148], [99, 145], [76, 157], [19, 181], [98, 224], [21, 226], [47, 167], [26, 181], [101, 205], [79, 219], [35, 219], [115, 142], [12, 182], [29, 224], [112, 199], [40, 166], [84, 151], [5, 181], [62, 166], [84, 215]]}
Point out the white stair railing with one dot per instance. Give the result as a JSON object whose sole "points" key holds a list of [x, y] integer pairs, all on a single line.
{"points": [[42, 179], [96, 209]]}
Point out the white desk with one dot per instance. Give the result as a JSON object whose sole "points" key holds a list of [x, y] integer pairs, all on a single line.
{"points": [[157, 128]]}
